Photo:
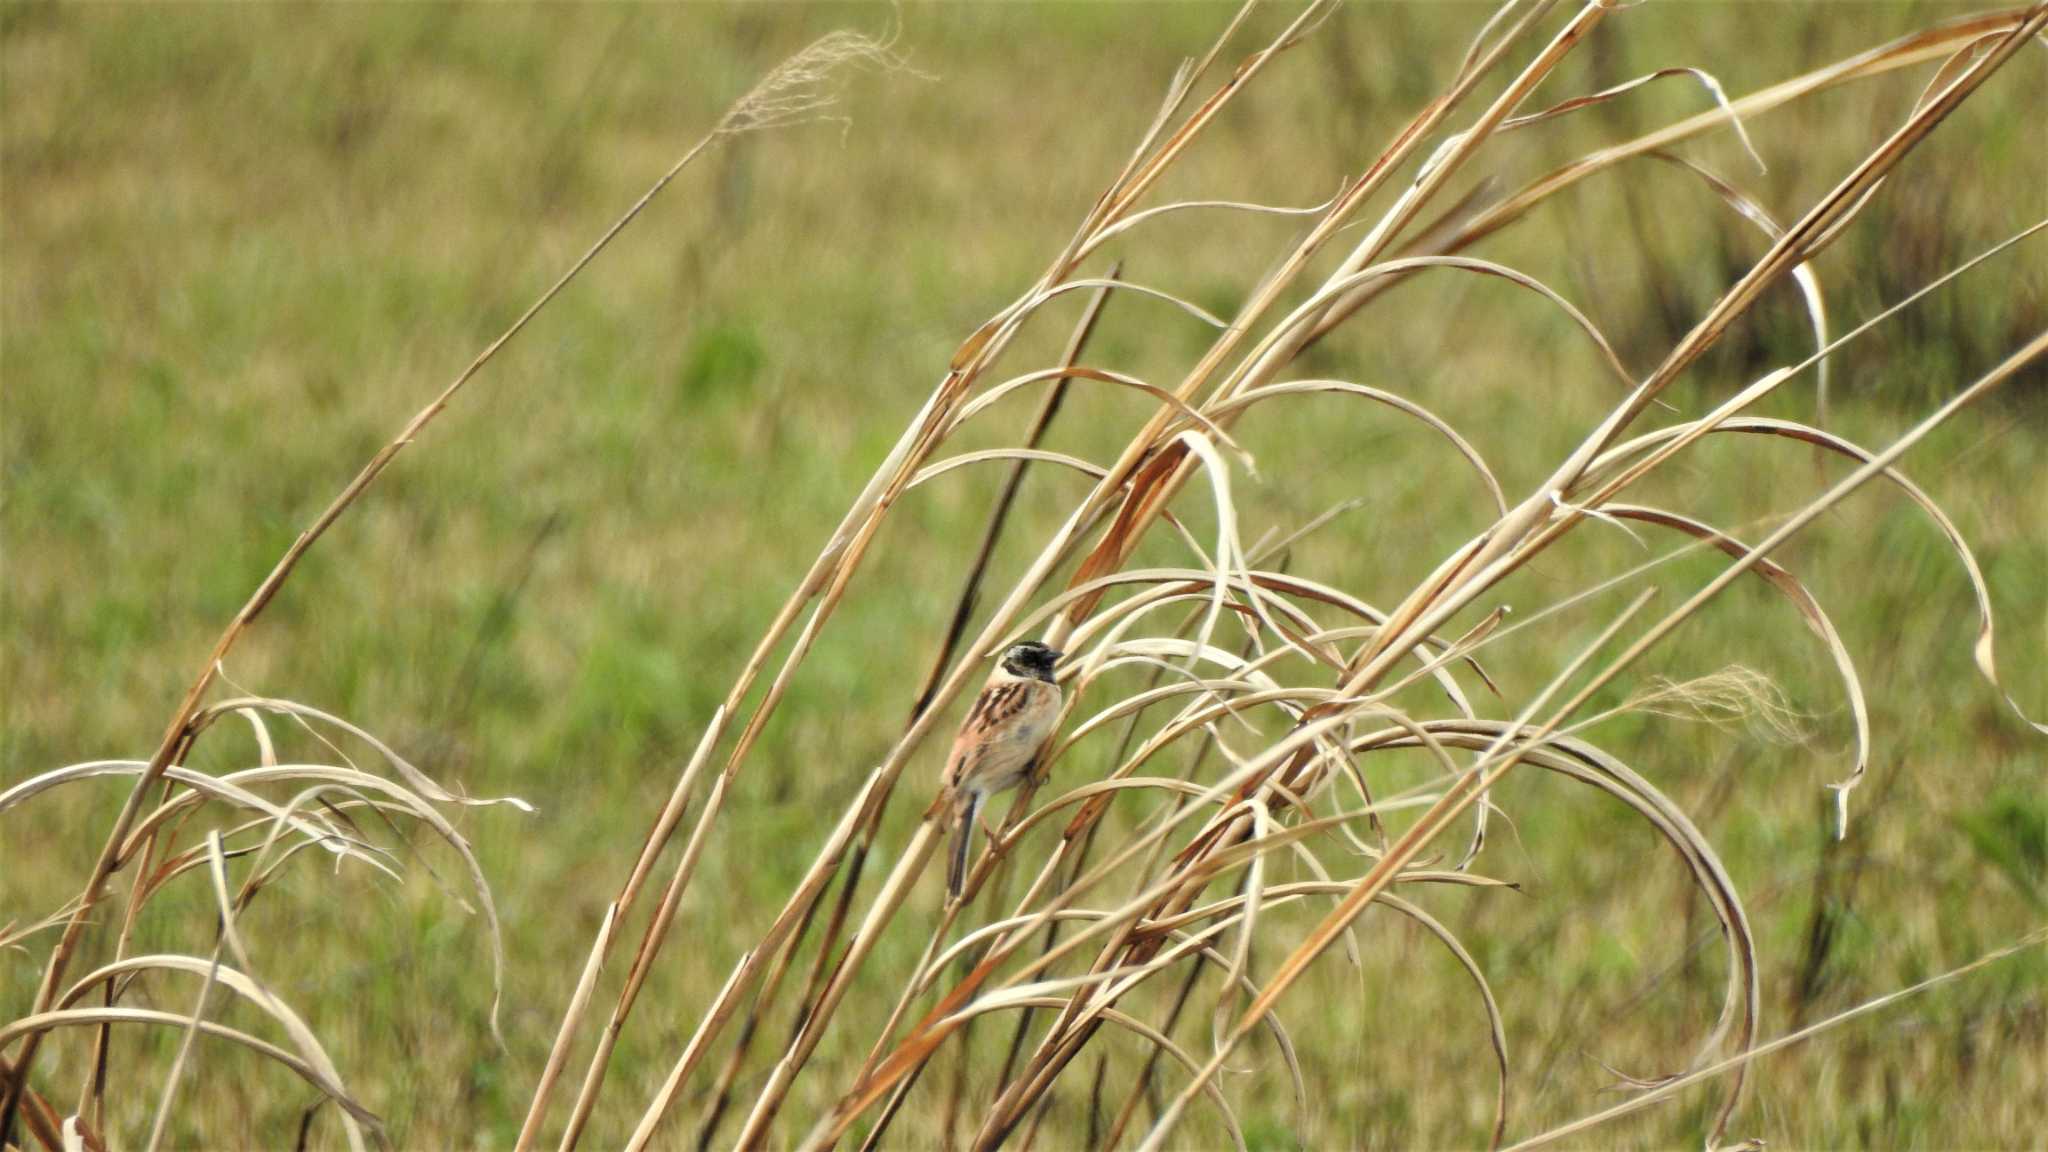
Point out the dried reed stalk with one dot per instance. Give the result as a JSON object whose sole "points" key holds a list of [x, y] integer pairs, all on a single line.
{"points": [[796, 90], [1115, 906], [1134, 491]]}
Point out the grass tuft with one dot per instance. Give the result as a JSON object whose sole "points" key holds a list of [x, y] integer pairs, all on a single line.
{"points": [[1307, 683]]}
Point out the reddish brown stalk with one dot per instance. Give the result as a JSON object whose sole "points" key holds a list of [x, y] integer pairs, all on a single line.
{"points": [[1157, 482], [1078, 942], [1048, 408], [1153, 476], [1141, 1087], [1822, 218], [42, 1120], [1151, 488], [1086, 823], [963, 609], [721, 1092], [1916, 48], [811, 1019], [1528, 528], [836, 565], [1017, 1098], [1505, 757]]}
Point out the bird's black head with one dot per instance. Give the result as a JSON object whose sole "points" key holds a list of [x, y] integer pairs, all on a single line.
{"points": [[1030, 659]]}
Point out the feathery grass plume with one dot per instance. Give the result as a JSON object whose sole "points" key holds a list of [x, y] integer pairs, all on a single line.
{"points": [[1734, 696], [807, 85]]}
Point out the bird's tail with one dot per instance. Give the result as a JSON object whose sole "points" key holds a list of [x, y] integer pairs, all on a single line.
{"points": [[966, 813]]}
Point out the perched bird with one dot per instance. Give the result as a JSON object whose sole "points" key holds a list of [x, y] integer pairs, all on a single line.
{"points": [[999, 742]]}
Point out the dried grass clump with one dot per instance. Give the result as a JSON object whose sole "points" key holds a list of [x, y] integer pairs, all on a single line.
{"points": [[160, 837], [1256, 724]]}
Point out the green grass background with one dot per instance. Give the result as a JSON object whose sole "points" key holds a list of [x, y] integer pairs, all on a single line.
{"points": [[238, 246]]}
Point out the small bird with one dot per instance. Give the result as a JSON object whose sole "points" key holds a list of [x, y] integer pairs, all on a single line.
{"points": [[999, 742]]}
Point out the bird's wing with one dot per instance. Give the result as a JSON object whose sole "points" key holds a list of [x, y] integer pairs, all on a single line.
{"points": [[995, 709]]}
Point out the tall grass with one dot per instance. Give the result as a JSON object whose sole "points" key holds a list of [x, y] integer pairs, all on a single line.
{"points": [[1285, 754]]}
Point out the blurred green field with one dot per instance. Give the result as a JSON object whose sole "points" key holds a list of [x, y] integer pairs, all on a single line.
{"points": [[239, 246]]}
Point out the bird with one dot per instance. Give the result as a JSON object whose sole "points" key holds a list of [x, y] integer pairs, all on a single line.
{"points": [[999, 742]]}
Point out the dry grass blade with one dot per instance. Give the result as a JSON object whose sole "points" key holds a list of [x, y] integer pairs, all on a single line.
{"points": [[1704, 78], [1160, 1042], [47, 1021], [1236, 822], [1933, 43], [1468, 787], [834, 567], [786, 93], [1804, 275], [1443, 428], [1250, 751], [1017, 455], [1680, 1083], [1982, 650], [970, 592], [1134, 219], [1809, 610]]}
